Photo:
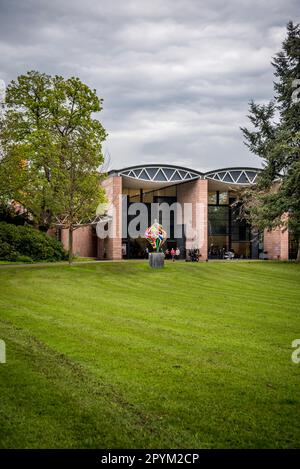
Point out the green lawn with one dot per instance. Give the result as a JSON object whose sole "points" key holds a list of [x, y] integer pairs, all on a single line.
{"points": [[117, 355]]}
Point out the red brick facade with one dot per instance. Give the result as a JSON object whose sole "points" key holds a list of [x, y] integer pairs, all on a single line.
{"points": [[82, 241], [196, 193], [111, 248], [276, 244], [85, 241]]}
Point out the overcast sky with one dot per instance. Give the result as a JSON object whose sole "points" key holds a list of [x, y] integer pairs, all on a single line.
{"points": [[176, 76]]}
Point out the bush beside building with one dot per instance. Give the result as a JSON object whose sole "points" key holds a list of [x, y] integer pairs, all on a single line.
{"points": [[26, 244]]}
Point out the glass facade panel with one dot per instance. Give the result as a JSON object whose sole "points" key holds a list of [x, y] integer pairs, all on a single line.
{"points": [[218, 220], [293, 247], [240, 229], [134, 195], [134, 198], [148, 197], [136, 248], [130, 192], [217, 246], [212, 198], [241, 249], [223, 198], [166, 192], [227, 231]]}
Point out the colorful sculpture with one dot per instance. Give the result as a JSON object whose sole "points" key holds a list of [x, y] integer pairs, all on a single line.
{"points": [[156, 236]]}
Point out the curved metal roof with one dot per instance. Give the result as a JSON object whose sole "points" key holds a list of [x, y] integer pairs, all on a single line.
{"points": [[159, 173], [166, 174], [236, 175]]}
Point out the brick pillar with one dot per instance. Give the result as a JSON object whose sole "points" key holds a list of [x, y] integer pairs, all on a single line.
{"points": [[113, 244], [196, 194], [276, 244], [284, 245]]}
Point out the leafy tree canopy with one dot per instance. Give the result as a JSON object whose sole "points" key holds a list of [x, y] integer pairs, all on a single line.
{"points": [[51, 149], [275, 137]]}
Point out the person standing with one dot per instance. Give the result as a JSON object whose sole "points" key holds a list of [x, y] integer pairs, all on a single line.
{"points": [[177, 252], [173, 252]]}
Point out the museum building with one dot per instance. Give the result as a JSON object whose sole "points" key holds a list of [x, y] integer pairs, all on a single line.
{"points": [[220, 229]]}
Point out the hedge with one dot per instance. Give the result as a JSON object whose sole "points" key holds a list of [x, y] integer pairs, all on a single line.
{"points": [[17, 242]]}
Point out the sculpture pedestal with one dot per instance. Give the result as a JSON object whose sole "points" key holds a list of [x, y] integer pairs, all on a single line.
{"points": [[156, 260]]}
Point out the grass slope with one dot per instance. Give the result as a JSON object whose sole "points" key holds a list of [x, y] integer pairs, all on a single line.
{"points": [[118, 355]]}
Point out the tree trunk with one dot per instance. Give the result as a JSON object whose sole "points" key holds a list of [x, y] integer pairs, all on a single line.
{"points": [[298, 253], [71, 245]]}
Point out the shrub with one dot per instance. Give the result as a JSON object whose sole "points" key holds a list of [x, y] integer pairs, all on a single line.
{"points": [[26, 259], [7, 252], [16, 241]]}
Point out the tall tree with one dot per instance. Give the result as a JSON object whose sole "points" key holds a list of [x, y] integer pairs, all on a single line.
{"points": [[275, 137], [51, 147]]}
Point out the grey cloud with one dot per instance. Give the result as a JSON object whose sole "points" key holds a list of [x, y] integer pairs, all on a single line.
{"points": [[176, 75]]}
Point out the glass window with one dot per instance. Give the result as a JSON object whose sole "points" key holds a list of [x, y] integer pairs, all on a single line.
{"points": [[135, 193], [134, 198], [241, 250], [240, 229], [148, 197], [217, 246], [293, 247], [223, 198], [166, 192], [218, 220], [212, 198]]}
